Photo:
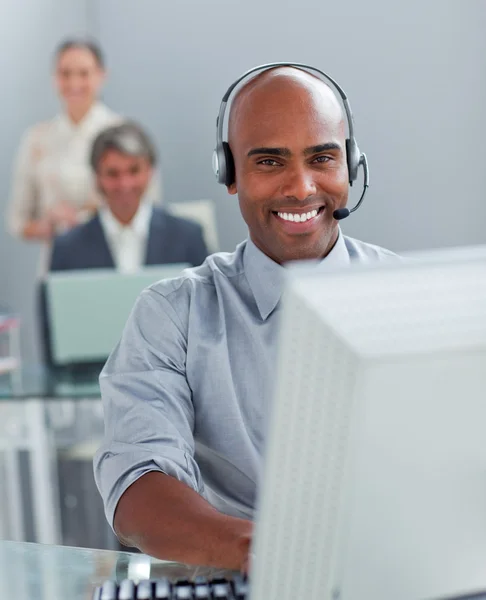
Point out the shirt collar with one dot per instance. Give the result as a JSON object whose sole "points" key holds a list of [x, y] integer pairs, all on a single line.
{"points": [[266, 277], [138, 225]]}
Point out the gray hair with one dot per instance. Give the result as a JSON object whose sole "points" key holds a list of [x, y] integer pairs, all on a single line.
{"points": [[127, 138]]}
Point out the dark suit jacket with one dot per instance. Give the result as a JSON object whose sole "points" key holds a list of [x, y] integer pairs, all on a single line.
{"points": [[171, 240]]}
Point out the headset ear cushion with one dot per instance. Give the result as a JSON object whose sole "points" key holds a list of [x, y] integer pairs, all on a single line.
{"points": [[230, 165], [353, 156]]}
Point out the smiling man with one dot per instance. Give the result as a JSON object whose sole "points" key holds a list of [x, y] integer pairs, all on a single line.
{"points": [[287, 136], [128, 232], [187, 390]]}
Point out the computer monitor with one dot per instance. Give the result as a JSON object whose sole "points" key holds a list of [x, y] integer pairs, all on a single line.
{"points": [[87, 309], [374, 484]]}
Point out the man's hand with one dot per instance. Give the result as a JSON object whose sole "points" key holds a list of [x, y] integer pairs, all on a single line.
{"points": [[246, 566]]}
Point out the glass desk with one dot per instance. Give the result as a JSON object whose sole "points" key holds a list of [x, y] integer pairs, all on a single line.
{"points": [[38, 572], [46, 413], [39, 381]]}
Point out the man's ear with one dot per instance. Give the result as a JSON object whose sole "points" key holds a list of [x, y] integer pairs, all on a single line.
{"points": [[232, 189]]}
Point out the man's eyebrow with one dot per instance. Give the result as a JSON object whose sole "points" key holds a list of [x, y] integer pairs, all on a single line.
{"points": [[322, 148], [285, 152]]}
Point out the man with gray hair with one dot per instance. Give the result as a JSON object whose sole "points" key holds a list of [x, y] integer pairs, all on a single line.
{"points": [[128, 231]]}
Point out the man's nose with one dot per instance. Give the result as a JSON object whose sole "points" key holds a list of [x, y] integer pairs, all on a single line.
{"points": [[125, 181], [299, 183]]}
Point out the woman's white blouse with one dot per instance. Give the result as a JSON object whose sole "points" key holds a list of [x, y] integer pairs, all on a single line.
{"points": [[53, 165]]}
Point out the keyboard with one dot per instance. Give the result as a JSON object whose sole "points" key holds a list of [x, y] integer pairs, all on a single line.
{"points": [[200, 588]]}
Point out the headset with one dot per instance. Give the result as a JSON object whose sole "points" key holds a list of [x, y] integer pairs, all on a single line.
{"points": [[223, 163]]}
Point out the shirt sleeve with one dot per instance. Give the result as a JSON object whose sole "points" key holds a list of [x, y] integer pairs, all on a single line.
{"points": [[23, 198], [147, 401]]}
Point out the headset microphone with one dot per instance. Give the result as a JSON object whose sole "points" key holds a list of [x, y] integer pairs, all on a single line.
{"points": [[343, 213]]}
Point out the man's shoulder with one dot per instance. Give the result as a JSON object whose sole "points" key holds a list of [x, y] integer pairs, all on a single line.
{"points": [[69, 248], [221, 265], [363, 252], [77, 234]]}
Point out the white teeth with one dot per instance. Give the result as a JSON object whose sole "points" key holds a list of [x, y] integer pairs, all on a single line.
{"points": [[298, 217]]}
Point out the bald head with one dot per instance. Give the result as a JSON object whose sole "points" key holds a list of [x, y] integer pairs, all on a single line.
{"points": [[282, 91], [287, 136]]}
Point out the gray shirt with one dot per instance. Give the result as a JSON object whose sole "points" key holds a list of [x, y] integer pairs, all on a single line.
{"points": [[187, 389]]}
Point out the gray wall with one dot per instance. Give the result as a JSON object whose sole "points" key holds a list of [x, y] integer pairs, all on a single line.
{"points": [[415, 73], [29, 30]]}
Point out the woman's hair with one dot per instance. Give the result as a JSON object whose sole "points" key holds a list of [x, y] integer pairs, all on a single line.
{"points": [[84, 43]]}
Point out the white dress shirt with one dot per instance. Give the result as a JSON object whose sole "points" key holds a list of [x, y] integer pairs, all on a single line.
{"points": [[53, 165], [127, 243]]}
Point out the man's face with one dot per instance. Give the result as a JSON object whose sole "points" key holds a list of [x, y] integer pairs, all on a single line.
{"points": [[123, 180], [288, 142]]}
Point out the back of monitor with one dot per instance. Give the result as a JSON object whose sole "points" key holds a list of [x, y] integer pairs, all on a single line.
{"points": [[375, 477], [87, 309]]}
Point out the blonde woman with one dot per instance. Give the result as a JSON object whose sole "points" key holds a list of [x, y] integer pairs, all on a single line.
{"points": [[53, 187]]}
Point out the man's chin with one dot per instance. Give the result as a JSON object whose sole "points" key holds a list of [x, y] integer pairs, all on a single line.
{"points": [[307, 247], [126, 202]]}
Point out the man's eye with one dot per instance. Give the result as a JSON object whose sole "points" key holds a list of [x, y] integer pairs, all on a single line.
{"points": [[268, 162], [322, 159]]}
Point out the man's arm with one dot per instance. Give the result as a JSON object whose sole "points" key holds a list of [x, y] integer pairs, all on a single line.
{"points": [[166, 519], [145, 470]]}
